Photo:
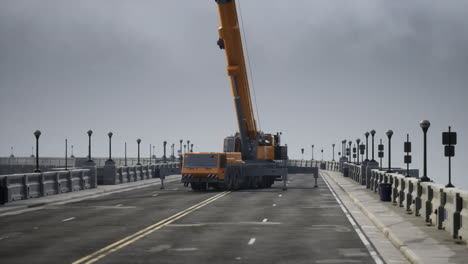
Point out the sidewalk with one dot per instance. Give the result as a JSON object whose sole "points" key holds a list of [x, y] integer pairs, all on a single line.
{"points": [[416, 241], [18, 207]]}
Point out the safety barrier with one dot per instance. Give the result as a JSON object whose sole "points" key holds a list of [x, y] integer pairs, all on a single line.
{"points": [[112, 174], [438, 206], [32, 185]]}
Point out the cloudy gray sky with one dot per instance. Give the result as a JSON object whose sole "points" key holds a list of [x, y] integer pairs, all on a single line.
{"points": [[323, 71]]}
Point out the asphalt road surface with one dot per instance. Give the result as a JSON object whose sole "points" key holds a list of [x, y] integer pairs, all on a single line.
{"points": [[178, 225]]}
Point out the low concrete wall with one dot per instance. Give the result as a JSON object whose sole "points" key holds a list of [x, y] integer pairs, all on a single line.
{"points": [[112, 174], [32, 185], [19, 165]]}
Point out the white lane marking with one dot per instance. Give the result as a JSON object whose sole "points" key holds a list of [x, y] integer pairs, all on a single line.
{"points": [[68, 219], [175, 189], [119, 205], [264, 220], [365, 241], [4, 237], [280, 195], [274, 204], [154, 195], [252, 241], [183, 249]]}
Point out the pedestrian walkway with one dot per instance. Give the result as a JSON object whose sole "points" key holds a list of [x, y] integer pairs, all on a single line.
{"points": [[418, 242]]}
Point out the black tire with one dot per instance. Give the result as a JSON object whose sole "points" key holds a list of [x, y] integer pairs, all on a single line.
{"points": [[195, 186]]}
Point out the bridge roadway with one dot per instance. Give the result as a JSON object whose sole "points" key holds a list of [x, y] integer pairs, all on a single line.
{"points": [[177, 225]]}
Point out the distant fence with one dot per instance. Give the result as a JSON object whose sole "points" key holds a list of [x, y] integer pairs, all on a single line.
{"points": [[110, 175], [19, 165], [32, 185], [441, 207], [309, 164]]}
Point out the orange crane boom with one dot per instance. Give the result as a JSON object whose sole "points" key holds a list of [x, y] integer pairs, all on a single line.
{"points": [[230, 40]]}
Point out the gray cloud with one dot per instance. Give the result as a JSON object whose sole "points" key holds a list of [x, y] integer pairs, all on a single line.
{"points": [[323, 71]]}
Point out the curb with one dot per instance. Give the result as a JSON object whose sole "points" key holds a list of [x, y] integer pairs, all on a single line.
{"points": [[388, 233]]}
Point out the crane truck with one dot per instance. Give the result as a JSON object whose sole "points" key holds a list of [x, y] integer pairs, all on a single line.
{"points": [[248, 157]]}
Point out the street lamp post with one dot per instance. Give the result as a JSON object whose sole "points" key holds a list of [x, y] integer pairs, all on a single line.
{"points": [[151, 157], [389, 135], [367, 146], [37, 134], [180, 141], [66, 154], [90, 132], [172, 151], [373, 134], [125, 154], [164, 146], [313, 152], [362, 148], [358, 146], [138, 141], [425, 124], [110, 146]]}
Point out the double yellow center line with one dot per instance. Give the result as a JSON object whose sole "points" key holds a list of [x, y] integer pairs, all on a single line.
{"points": [[145, 232]]}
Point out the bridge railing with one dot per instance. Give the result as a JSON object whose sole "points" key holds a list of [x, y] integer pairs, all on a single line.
{"points": [[32, 185], [112, 174], [436, 205]]}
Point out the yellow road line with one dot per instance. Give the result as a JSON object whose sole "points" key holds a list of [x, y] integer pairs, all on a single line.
{"points": [[142, 233]]}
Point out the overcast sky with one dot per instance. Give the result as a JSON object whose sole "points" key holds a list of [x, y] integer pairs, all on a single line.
{"points": [[323, 71]]}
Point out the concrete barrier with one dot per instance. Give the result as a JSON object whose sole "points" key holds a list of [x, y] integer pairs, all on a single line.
{"points": [[112, 174], [451, 213], [463, 232], [32, 185]]}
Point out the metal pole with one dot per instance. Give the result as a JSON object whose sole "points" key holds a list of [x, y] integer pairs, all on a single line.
{"points": [[358, 141], [373, 134], [389, 135], [425, 124], [180, 148], [90, 132], [37, 134], [367, 146], [450, 185], [333, 152], [110, 145], [138, 141], [407, 153], [66, 154], [125, 154], [381, 158]]}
